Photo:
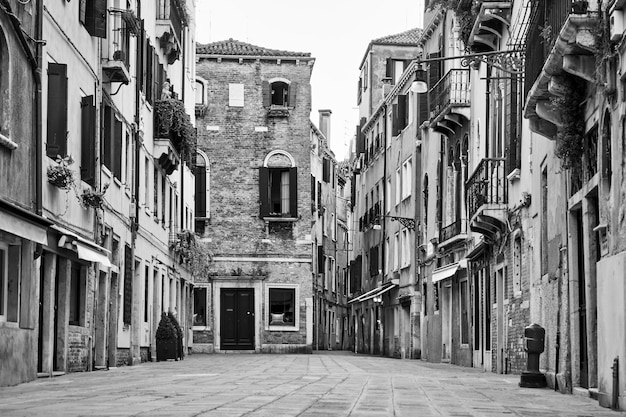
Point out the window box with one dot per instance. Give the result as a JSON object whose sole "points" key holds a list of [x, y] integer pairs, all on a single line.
{"points": [[61, 176]]}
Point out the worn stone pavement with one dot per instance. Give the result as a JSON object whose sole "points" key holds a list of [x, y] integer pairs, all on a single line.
{"points": [[329, 384]]}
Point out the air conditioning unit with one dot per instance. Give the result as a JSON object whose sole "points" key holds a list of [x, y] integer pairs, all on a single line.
{"points": [[616, 24]]}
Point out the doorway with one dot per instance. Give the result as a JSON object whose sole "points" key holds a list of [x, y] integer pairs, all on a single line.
{"points": [[582, 301], [237, 319]]}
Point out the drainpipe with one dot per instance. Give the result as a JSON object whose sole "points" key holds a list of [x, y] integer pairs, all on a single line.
{"points": [[615, 393]]}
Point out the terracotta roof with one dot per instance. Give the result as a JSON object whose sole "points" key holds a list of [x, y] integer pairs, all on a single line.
{"points": [[236, 48], [409, 37]]}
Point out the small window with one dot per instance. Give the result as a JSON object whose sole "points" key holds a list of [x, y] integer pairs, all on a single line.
{"points": [[200, 307], [280, 93], [199, 92], [282, 307]]}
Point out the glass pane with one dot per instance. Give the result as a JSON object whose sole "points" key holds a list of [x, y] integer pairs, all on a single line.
{"points": [[199, 307], [282, 306]]}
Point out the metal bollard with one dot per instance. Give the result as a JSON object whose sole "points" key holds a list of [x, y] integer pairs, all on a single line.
{"points": [[534, 336]]}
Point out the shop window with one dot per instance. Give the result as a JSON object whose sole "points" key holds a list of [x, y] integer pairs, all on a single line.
{"points": [[200, 307], [282, 306]]}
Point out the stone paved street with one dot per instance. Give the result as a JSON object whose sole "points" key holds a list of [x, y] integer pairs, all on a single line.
{"points": [[329, 384]]}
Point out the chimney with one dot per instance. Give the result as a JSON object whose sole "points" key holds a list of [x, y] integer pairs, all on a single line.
{"points": [[325, 123]]}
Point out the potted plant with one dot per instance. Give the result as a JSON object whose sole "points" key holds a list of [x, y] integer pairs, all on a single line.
{"points": [[166, 339], [60, 175], [173, 122], [92, 198]]}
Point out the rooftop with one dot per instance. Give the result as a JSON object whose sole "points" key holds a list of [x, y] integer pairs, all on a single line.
{"points": [[236, 48]]}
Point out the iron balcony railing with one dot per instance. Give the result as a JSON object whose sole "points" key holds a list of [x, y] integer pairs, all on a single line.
{"points": [[171, 10], [450, 231], [452, 89], [487, 185], [547, 19]]}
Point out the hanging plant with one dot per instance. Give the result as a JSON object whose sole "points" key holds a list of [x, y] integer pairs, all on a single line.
{"points": [[192, 252], [466, 14], [173, 122], [569, 138], [93, 199], [61, 175]]}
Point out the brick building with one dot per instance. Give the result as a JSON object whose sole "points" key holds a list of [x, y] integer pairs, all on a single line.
{"points": [[255, 133]]}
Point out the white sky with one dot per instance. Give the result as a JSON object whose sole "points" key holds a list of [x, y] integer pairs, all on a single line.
{"points": [[336, 33]]}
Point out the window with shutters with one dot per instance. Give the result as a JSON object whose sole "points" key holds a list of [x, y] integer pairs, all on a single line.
{"points": [[202, 208], [394, 68], [4, 91], [93, 16], [279, 95], [111, 146], [88, 140], [278, 186], [57, 111]]}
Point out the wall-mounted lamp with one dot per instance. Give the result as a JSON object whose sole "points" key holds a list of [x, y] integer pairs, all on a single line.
{"points": [[378, 299]]}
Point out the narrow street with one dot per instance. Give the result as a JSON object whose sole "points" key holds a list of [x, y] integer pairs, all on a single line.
{"points": [[322, 384]]}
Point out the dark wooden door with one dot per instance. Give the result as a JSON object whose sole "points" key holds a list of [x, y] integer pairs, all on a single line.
{"points": [[237, 319]]}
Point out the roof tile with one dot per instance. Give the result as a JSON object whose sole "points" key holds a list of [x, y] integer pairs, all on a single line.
{"points": [[409, 37], [237, 48]]}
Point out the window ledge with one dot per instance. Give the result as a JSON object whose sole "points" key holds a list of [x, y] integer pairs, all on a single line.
{"points": [[514, 175], [280, 219], [9, 324], [278, 111], [7, 143], [282, 328]]}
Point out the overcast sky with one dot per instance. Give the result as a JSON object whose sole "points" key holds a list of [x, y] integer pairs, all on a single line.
{"points": [[336, 33]]}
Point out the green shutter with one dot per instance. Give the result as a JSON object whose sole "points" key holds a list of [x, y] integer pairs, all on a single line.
{"points": [[116, 152], [267, 96], [389, 67], [263, 191], [57, 110], [402, 112], [107, 137], [96, 18], [88, 142], [293, 192], [395, 125], [201, 191], [293, 89]]}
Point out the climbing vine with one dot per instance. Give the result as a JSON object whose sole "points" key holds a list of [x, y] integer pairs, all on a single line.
{"points": [[569, 138]]}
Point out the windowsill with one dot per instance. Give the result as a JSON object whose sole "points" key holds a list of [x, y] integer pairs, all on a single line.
{"points": [[282, 328], [9, 324], [201, 328], [7, 142], [280, 219], [106, 172], [405, 266], [117, 182], [278, 111]]}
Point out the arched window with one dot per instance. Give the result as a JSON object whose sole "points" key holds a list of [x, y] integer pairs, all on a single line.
{"points": [[279, 92], [278, 186], [202, 206], [200, 94]]}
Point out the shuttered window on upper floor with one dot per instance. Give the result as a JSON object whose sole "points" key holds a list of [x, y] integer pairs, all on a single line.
{"points": [[88, 140], [93, 15], [56, 144]]}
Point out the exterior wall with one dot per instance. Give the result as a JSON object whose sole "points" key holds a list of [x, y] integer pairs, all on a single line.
{"points": [[250, 252]]}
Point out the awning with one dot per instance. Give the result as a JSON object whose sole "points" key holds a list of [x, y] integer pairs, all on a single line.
{"points": [[373, 293], [448, 271], [85, 249], [22, 228]]}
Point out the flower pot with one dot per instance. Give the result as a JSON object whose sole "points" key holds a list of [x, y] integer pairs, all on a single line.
{"points": [[167, 349]]}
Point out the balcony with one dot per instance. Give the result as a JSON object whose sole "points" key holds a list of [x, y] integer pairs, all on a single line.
{"points": [[116, 51], [452, 233], [568, 47], [173, 124], [450, 101], [492, 21], [171, 18], [487, 198]]}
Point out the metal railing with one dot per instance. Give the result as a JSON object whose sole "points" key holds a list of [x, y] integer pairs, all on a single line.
{"points": [[450, 231], [487, 185], [452, 89], [547, 19], [171, 10]]}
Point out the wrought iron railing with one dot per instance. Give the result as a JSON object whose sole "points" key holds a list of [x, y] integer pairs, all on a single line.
{"points": [[450, 231], [452, 89], [547, 19], [171, 10], [487, 185]]}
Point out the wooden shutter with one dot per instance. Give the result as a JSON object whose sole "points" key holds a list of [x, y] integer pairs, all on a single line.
{"points": [[264, 191], [389, 68], [57, 110], [325, 170], [149, 72], [96, 18], [293, 192], [107, 138], [201, 191], [88, 140], [422, 113], [395, 124], [313, 186], [267, 95], [116, 152], [320, 259], [293, 89], [128, 285], [402, 112], [144, 62]]}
